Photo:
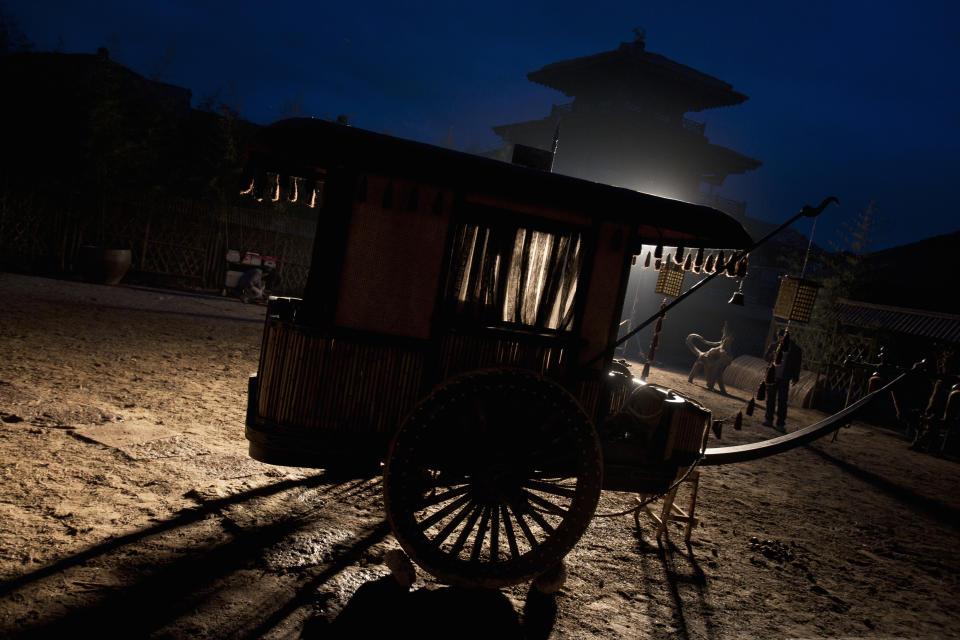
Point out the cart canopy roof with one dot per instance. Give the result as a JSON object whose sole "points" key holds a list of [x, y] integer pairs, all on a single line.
{"points": [[309, 148]]}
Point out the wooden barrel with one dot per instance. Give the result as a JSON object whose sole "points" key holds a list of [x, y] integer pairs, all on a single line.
{"points": [[747, 372]]}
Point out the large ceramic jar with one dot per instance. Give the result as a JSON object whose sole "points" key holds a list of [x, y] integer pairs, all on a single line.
{"points": [[104, 266]]}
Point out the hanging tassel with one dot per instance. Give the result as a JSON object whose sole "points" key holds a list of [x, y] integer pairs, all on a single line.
{"points": [[655, 342], [708, 268], [678, 256], [721, 265], [742, 268], [646, 263], [650, 354], [738, 421], [732, 269], [750, 406], [762, 392], [688, 263]]}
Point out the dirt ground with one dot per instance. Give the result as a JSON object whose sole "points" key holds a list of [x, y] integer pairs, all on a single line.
{"points": [[129, 508]]}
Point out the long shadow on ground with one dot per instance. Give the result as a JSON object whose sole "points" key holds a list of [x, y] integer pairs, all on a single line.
{"points": [[169, 591]]}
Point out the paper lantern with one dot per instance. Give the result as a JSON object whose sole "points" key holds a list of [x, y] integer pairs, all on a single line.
{"points": [[795, 299], [670, 280]]}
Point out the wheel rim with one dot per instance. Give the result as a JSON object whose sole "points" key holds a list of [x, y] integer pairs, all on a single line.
{"points": [[493, 478]]}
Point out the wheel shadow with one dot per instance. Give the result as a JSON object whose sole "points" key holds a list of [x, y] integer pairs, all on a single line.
{"points": [[165, 593], [681, 570], [383, 608]]}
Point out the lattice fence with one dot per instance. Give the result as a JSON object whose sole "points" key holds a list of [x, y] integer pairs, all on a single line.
{"points": [[826, 351], [180, 240]]}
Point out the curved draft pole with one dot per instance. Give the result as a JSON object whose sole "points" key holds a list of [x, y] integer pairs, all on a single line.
{"points": [[807, 211], [773, 446]]}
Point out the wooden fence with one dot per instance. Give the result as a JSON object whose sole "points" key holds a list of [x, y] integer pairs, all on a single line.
{"points": [[173, 242]]}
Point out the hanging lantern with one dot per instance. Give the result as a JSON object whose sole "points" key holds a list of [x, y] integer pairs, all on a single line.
{"points": [[670, 280], [795, 299]]}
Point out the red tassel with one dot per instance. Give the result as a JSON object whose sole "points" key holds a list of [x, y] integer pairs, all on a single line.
{"points": [[738, 422], [655, 342]]}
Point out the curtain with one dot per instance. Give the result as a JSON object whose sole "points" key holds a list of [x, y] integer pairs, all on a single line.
{"points": [[515, 276]]}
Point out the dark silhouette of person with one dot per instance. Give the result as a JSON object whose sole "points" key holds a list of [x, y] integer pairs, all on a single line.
{"points": [[786, 360]]}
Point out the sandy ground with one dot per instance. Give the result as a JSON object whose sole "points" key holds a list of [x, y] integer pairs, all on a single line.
{"points": [[129, 509]]}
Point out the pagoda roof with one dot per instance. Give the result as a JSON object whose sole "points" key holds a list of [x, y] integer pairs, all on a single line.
{"points": [[633, 67], [721, 159]]}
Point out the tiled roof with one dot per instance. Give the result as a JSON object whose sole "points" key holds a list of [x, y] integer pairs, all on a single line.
{"points": [[914, 322]]}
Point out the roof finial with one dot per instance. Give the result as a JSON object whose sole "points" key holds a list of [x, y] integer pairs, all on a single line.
{"points": [[640, 37]]}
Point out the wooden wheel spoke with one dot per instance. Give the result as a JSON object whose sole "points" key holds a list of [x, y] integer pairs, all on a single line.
{"points": [[551, 488], [540, 520], [508, 530], [481, 534], [452, 525], [443, 513], [467, 528], [494, 533], [517, 513], [546, 504], [441, 497]]}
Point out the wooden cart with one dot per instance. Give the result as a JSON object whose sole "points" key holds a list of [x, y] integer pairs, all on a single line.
{"points": [[457, 325]]}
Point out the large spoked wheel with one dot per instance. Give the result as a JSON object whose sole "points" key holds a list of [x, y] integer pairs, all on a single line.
{"points": [[493, 478]]}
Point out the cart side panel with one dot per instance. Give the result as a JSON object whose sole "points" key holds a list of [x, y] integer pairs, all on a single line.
{"points": [[324, 398], [605, 291], [393, 259]]}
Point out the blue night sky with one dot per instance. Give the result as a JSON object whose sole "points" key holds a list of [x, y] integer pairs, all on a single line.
{"points": [[854, 99]]}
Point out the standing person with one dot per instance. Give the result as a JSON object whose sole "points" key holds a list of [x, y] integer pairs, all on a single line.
{"points": [[786, 360]]}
